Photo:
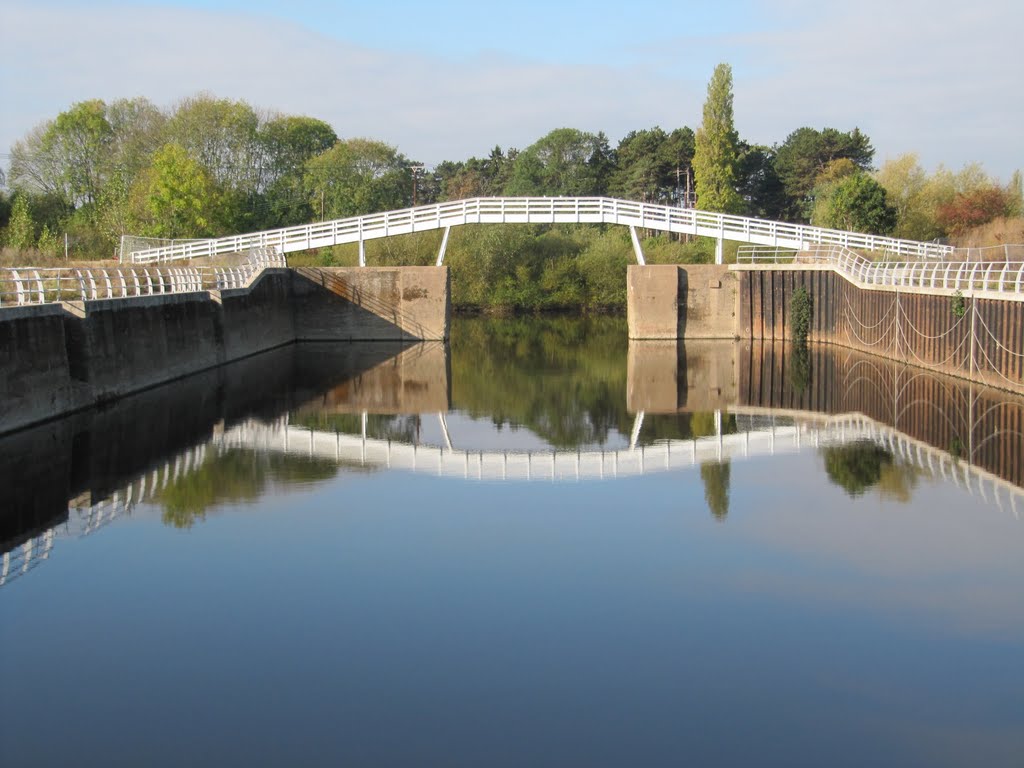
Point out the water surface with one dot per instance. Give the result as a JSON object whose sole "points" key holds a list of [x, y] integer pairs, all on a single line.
{"points": [[541, 545]]}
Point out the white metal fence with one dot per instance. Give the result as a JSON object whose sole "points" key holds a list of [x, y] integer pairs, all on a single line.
{"points": [[963, 276], [23, 286], [29, 285], [540, 210]]}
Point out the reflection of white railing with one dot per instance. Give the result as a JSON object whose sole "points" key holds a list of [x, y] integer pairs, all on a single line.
{"points": [[845, 429], [963, 276], [540, 210], [23, 558], [761, 434], [28, 285], [87, 518]]}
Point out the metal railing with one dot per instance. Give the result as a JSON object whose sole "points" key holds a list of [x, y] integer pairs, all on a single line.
{"points": [[28, 285], [963, 276], [23, 286], [540, 210], [1005, 252]]}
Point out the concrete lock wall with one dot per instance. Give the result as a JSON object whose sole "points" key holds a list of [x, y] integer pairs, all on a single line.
{"points": [[35, 373], [259, 317], [984, 342], [59, 358], [694, 301], [119, 346], [378, 304]]}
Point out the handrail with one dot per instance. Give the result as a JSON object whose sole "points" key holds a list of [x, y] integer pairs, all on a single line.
{"points": [[539, 210], [998, 276], [24, 286]]}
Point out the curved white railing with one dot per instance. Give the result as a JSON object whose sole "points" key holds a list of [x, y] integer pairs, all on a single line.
{"points": [[963, 276], [28, 285], [19, 287], [540, 210]]}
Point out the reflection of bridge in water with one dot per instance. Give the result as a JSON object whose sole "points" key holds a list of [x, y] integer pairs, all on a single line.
{"points": [[760, 434], [913, 415]]}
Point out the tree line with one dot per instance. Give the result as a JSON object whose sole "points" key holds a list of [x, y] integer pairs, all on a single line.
{"points": [[210, 166]]}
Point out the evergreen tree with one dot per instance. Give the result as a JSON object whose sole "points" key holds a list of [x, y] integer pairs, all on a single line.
{"points": [[716, 153]]}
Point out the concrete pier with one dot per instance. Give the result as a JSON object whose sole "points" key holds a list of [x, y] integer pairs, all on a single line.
{"points": [[692, 301]]}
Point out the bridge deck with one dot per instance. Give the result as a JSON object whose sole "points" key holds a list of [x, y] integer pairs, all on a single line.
{"points": [[540, 210]]}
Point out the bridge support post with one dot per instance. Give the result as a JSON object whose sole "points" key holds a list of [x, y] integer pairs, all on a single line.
{"points": [[362, 252], [636, 246], [719, 251], [444, 246]]}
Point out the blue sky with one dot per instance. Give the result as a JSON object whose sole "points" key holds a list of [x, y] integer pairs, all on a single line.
{"points": [[447, 80]]}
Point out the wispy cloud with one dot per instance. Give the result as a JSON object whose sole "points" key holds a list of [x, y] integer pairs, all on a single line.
{"points": [[931, 78]]}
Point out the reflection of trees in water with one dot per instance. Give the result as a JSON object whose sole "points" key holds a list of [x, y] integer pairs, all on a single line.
{"points": [[562, 377], [235, 476], [800, 370], [862, 465], [403, 428], [682, 426], [857, 466], [715, 476]]}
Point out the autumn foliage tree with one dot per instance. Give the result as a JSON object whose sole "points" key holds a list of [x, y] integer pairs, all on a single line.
{"points": [[974, 208]]}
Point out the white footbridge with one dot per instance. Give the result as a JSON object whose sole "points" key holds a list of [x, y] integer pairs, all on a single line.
{"points": [[539, 210]]}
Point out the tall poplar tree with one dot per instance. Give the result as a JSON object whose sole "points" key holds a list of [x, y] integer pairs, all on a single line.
{"points": [[716, 151]]}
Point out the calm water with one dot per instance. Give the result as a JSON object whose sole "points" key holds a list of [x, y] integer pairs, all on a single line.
{"points": [[541, 546]]}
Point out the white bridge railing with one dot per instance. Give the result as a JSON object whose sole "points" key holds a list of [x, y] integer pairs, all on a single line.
{"points": [[28, 285], [963, 276], [540, 210]]}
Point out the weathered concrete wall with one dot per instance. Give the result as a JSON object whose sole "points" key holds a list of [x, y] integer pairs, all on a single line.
{"points": [[35, 375], [124, 345], [985, 343], [652, 301], [55, 359], [259, 317], [372, 303], [694, 301]]}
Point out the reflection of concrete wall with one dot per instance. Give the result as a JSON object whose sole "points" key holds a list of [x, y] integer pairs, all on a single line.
{"points": [[416, 380], [372, 303], [36, 476], [695, 301], [61, 358], [674, 376], [92, 453], [982, 426]]}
